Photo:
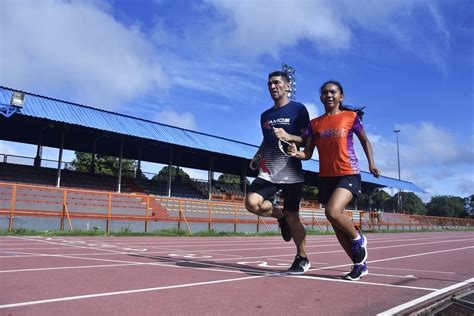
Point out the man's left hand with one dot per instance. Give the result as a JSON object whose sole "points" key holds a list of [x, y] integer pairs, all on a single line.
{"points": [[280, 133]]}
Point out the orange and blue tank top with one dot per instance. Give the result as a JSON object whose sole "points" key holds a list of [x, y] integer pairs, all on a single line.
{"points": [[333, 137]]}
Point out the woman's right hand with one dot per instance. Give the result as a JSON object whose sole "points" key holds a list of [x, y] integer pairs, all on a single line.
{"points": [[292, 150]]}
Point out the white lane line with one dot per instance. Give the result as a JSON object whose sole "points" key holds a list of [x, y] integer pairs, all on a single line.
{"points": [[81, 244], [411, 270], [422, 299], [309, 277], [229, 241], [408, 276], [69, 267], [88, 296], [86, 245], [168, 262], [420, 254], [220, 266], [172, 264], [395, 258], [314, 245]]}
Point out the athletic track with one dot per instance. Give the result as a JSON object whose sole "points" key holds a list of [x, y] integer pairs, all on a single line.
{"points": [[225, 275]]}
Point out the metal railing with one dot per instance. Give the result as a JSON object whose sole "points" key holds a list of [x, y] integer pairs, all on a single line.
{"points": [[34, 201]]}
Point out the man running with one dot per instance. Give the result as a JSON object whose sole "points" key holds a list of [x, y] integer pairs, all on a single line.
{"points": [[285, 120]]}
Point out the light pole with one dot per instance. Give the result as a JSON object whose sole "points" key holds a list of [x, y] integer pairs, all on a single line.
{"points": [[399, 177], [291, 72]]}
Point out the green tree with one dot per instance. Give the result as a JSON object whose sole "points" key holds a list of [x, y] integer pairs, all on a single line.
{"points": [[379, 199], [177, 174], [363, 202], [469, 205], [232, 179], [229, 178], [447, 206], [103, 164], [412, 204]]}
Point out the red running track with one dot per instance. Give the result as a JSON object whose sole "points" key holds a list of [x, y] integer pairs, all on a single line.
{"points": [[224, 275]]}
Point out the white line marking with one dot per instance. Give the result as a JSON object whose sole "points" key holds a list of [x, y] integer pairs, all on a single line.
{"points": [[263, 264], [59, 242], [309, 277], [411, 270], [420, 254], [73, 243], [394, 258], [79, 297], [408, 276], [422, 299], [262, 274]]}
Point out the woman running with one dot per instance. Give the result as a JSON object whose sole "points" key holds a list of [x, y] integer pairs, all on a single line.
{"points": [[339, 173]]}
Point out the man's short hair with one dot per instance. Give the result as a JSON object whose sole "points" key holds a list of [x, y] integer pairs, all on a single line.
{"points": [[282, 74]]}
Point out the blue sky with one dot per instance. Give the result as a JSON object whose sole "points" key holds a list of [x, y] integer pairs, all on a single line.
{"points": [[203, 65]]}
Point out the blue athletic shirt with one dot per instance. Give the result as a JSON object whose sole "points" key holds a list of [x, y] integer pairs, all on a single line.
{"points": [[274, 165]]}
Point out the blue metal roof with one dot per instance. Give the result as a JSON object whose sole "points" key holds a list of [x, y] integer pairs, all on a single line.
{"points": [[76, 114]]}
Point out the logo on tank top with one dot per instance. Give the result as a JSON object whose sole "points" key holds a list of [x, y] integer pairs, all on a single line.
{"points": [[333, 133], [279, 121]]}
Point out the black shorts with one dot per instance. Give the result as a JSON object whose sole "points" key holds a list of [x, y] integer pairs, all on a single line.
{"points": [[291, 192], [327, 186]]}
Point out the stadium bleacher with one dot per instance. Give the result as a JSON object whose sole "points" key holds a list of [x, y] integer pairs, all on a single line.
{"points": [[47, 176]]}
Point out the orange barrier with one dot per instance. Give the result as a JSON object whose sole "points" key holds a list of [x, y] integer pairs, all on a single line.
{"points": [[372, 221], [23, 200], [68, 204]]}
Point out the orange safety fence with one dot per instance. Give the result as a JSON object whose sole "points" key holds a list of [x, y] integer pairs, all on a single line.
{"points": [[21, 200], [69, 204], [373, 221]]}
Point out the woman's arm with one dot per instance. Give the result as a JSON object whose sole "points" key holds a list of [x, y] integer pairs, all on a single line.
{"points": [[303, 155], [364, 141]]}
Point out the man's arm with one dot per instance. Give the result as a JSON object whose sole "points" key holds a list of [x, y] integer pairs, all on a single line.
{"points": [[280, 133], [254, 163]]}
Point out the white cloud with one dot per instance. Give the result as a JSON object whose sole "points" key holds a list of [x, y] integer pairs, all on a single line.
{"points": [[171, 117], [75, 50], [233, 80], [430, 157], [426, 143], [262, 27]]}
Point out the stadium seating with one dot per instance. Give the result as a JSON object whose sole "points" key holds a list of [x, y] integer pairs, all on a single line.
{"points": [[47, 176]]}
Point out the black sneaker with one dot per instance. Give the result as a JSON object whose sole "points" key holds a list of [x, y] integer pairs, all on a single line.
{"points": [[359, 250], [358, 271], [284, 229], [299, 266]]}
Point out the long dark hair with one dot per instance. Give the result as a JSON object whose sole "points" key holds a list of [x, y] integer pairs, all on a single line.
{"points": [[343, 107]]}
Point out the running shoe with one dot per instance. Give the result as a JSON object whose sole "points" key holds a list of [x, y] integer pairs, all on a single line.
{"points": [[299, 266], [358, 271], [284, 229], [359, 250]]}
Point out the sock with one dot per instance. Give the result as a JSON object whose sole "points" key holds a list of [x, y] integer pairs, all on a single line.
{"points": [[357, 238]]}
